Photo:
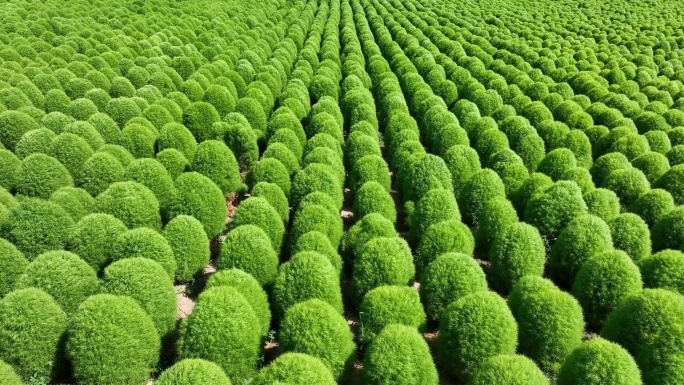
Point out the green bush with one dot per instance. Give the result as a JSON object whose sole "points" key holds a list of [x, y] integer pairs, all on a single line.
{"points": [[664, 270], [463, 162], [201, 198], [324, 123], [295, 369], [86, 131], [550, 322], [77, 202], [435, 206], [63, 275], [288, 138], [316, 177], [190, 246], [653, 205], [359, 146], [606, 164], [99, 172], [630, 234], [381, 261], [306, 276], [536, 182], [517, 252], [92, 237], [443, 237], [583, 237], [257, 211], [118, 152], [317, 242], [199, 118], [193, 372], [138, 139], [508, 369], [214, 160], [424, 174], [72, 151], [153, 175], [386, 305], [489, 143], [12, 265], [552, 209], [282, 153], [658, 141], [144, 280], [493, 219], [315, 328], [270, 170], [602, 282], [250, 249], [13, 125], [629, 184], [557, 162], [40, 175], [241, 140], [145, 243], [32, 327], [373, 198], [36, 226], [449, 277], [598, 362], [250, 288], [602, 203], [648, 326], [314, 217], [484, 185], [9, 163], [131, 202], [673, 182], [176, 135], [275, 197], [652, 164], [251, 109], [8, 375], [173, 161], [35, 141], [399, 343]]}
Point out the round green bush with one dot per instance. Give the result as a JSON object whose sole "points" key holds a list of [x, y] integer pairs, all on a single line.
{"points": [[628, 184], [193, 371], [373, 198], [602, 282], [399, 343], [599, 362], [435, 206], [652, 164], [8, 376], [138, 139], [86, 131], [223, 328], [12, 265], [607, 164], [32, 327], [653, 205], [306, 275], [386, 305], [324, 122], [359, 146], [77, 202], [242, 140], [92, 237], [288, 138], [508, 369], [317, 242], [536, 182], [275, 197], [484, 185], [35, 141], [463, 162], [315, 328], [381, 261], [315, 217], [214, 160], [518, 251], [424, 174], [63, 275], [250, 249], [489, 143], [36, 226], [550, 322], [112, 341], [201, 198], [131, 202], [658, 141], [257, 211], [552, 209], [176, 135], [365, 229], [199, 118], [190, 246], [295, 369], [270, 170], [367, 169], [145, 243], [250, 288], [668, 231], [9, 163], [39, 175], [443, 237], [13, 125], [581, 176], [173, 161], [473, 328], [316, 177], [254, 112], [584, 236], [493, 219], [118, 152], [449, 277], [282, 153], [72, 151], [144, 280], [557, 162], [630, 234], [673, 182], [602, 203], [649, 326], [153, 175], [664, 270]]}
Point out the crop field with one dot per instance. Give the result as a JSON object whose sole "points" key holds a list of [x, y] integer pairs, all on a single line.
{"points": [[353, 192]]}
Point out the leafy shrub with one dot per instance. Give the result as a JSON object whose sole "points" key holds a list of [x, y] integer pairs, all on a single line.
{"points": [[77, 202], [146, 243], [316, 217], [664, 270], [271, 170], [550, 322], [482, 186], [199, 197], [36, 226], [72, 151], [602, 282], [424, 174], [257, 211], [35, 141], [606, 165], [370, 168], [597, 362], [250, 288], [517, 252], [153, 175], [443, 237], [173, 161], [138, 139], [241, 140], [13, 125], [648, 325], [9, 163], [584, 236], [306, 275], [508, 369], [99, 172], [373, 198], [250, 249], [602, 203], [628, 184], [672, 182], [474, 328], [282, 153], [552, 209], [214, 160], [463, 162], [493, 219], [199, 118], [630, 233], [176, 135], [222, 329], [435, 206], [316, 177], [653, 205], [193, 371], [399, 343], [386, 305], [32, 327], [652, 164], [315, 328], [132, 203], [295, 369], [12, 265], [557, 162]]}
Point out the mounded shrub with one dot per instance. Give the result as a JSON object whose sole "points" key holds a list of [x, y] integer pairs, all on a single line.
{"points": [[92, 237], [664, 270], [493, 219], [257, 211], [153, 175], [552, 209], [282, 153], [448, 278], [77, 202], [315, 328], [8, 376], [176, 135], [99, 172], [9, 163], [190, 246], [295, 369], [443, 237], [606, 164], [250, 249], [35, 141], [536, 182], [36, 226], [173, 161], [199, 197], [119, 152], [359, 146], [435, 206], [508, 369], [602, 282], [424, 174], [193, 371], [480, 188], [367, 169], [306, 275], [32, 327], [399, 343], [517, 252], [316, 177], [584, 237], [673, 182], [131, 202], [39, 175], [199, 118], [63, 275], [214, 160], [254, 112], [241, 140], [463, 162], [649, 326], [138, 139], [629, 184], [668, 232], [602, 203], [12, 265], [250, 288], [145, 243], [474, 328], [386, 305], [653, 205], [550, 322], [13, 125], [557, 162], [630, 234], [373, 198], [597, 362], [144, 280], [271, 170]]}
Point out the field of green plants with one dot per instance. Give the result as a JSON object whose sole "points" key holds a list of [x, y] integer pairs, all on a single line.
{"points": [[321, 192]]}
